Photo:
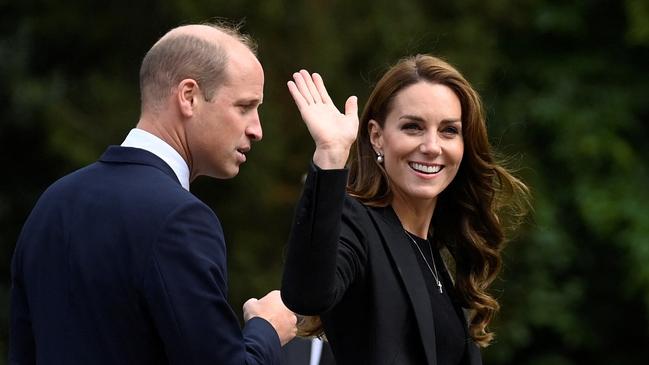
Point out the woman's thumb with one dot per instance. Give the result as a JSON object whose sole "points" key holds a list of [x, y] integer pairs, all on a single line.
{"points": [[351, 106]]}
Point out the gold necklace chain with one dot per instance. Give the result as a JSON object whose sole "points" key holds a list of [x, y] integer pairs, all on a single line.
{"points": [[430, 247]]}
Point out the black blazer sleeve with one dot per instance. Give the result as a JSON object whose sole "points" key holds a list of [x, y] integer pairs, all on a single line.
{"points": [[326, 251]]}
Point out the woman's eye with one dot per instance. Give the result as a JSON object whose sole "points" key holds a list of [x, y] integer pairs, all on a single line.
{"points": [[411, 126], [451, 130]]}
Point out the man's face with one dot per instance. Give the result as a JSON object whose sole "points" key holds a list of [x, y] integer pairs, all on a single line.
{"points": [[223, 129]]}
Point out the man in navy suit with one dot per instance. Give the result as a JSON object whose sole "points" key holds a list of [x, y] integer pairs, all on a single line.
{"points": [[118, 263]]}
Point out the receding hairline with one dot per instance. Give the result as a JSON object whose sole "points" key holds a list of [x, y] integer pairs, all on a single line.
{"points": [[223, 35], [211, 47]]}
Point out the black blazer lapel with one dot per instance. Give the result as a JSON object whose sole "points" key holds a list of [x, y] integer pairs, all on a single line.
{"points": [[395, 241], [473, 353]]}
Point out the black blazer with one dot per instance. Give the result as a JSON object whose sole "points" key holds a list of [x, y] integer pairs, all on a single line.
{"points": [[118, 264], [352, 265]]}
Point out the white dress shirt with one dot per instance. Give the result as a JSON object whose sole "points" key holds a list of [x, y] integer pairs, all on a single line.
{"points": [[316, 351], [142, 139]]}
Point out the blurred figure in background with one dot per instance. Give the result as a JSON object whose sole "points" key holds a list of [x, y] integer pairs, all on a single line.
{"points": [[307, 351], [392, 252]]}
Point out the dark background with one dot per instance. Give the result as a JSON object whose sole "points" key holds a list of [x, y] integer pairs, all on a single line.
{"points": [[564, 83]]}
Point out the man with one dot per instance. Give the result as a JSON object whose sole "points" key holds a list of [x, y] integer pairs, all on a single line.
{"points": [[118, 263]]}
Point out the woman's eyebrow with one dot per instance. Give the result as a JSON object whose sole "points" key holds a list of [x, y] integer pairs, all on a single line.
{"points": [[418, 118], [451, 121], [412, 117]]}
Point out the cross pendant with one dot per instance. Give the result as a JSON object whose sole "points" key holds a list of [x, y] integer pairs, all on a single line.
{"points": [[439, 285]]}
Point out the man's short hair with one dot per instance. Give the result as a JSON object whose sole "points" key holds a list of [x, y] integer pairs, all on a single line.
{"points": [[184, 56]]}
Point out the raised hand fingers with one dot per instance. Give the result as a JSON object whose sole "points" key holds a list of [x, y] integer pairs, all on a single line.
{"points": [[297, 95], [310, 88], [308, 79], [303, 88], [322, 90]]}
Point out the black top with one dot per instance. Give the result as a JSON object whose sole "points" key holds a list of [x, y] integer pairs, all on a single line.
{"points": [[450, 333]]}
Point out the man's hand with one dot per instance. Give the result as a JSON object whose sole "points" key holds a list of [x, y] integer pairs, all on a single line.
{"points": [[332, 131], [272, 309]]}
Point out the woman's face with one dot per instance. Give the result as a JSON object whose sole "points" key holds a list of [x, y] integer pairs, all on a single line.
{"points": [[421, 140]]}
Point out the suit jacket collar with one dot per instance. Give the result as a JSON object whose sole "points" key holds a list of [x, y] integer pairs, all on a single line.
{"points": [[130, 155], [395, 240]]}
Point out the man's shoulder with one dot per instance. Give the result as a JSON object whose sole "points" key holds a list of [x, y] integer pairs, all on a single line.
{"points": [[136, 184]]}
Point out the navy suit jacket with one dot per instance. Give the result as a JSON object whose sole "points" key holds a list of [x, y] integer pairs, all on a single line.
{"points": [[118, 264]]}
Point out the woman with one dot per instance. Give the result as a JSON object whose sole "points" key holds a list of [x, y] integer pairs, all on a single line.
{"points": [[365, 251]]}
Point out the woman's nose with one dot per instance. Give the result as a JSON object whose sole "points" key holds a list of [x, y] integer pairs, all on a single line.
{"points": [[431, 145]]}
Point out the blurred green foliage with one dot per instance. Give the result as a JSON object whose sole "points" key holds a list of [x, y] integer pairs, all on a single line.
{"points": [[564, 83]]}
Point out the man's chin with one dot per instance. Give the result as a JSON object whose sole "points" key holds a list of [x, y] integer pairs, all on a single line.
{"points": [[231, 173], [225, 174]]}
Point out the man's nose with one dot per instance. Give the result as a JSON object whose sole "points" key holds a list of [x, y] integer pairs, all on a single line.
{"points": [[254, 131]]}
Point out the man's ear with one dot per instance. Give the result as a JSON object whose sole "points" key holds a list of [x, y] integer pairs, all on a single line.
{"points": [[188, 94], [376, 135]]}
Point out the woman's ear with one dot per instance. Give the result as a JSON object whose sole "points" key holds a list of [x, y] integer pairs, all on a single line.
{"points": [[376, 136], [188, 94]]}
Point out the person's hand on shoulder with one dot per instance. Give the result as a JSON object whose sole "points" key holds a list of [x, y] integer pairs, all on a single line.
{"points": [[272, 309], [333, 132]]}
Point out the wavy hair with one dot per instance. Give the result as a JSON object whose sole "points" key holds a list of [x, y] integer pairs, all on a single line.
{"points": [[466, 218]]}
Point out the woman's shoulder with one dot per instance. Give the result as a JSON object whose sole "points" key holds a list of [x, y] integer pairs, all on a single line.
{"points": [[354, 205], [354, 202], [359, 211], [354, 213]]}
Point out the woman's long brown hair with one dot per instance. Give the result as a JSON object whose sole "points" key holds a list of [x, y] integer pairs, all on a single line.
{"points": [[466, 218]]}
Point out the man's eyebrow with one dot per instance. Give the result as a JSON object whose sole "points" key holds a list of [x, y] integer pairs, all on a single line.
{"points": [[251, 100]]}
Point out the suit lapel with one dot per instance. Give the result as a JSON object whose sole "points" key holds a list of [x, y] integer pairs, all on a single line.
{"points": [[395, 241]]}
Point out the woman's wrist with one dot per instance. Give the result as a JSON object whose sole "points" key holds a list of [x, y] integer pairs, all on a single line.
{"points": [[330, 158]]}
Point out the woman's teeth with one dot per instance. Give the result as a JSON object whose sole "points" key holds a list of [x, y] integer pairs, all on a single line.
{"points": [[426, 169]]}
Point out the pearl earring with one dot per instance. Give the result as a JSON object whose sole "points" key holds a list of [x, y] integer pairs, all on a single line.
{"points": [[379, 157]]}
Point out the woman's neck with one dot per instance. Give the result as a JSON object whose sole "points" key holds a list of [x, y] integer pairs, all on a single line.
{"points": [[414, 217]]}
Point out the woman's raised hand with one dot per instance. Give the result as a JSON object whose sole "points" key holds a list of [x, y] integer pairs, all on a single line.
{"points": [[333, 132]]}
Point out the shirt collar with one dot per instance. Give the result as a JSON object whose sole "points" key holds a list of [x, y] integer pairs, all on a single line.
{"points": [[139, 138]]}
